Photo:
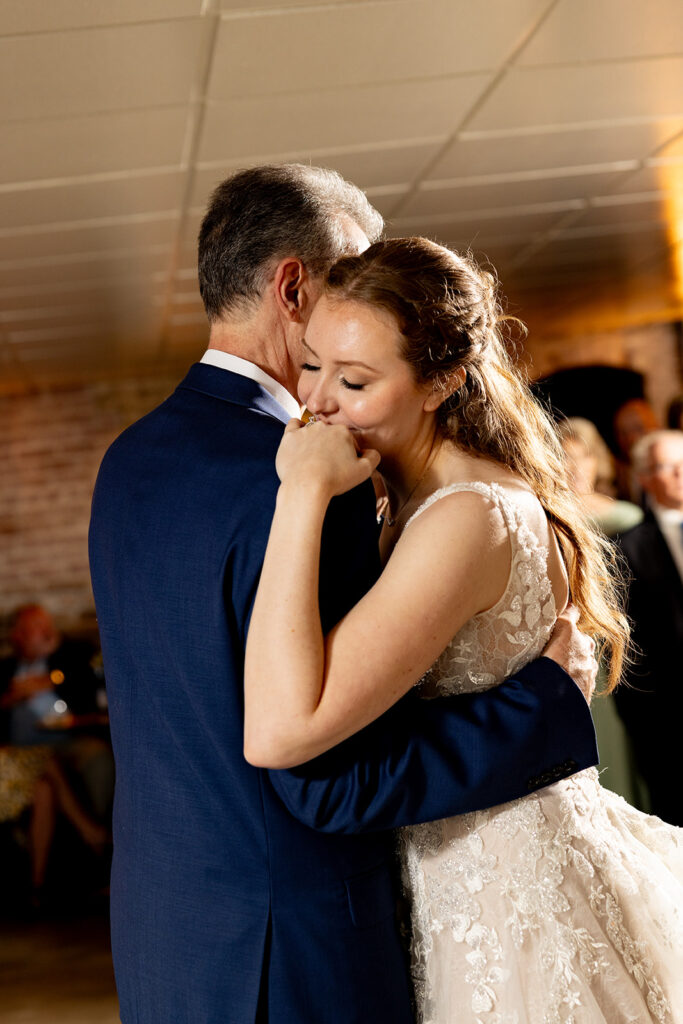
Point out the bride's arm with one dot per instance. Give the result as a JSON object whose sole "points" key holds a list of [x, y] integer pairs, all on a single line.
{"points": [[305, 693]]}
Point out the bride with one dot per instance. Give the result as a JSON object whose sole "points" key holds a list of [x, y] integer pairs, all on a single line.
{"points": [[565, 905]]}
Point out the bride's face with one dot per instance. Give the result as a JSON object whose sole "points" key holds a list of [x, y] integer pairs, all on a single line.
{"points": [[353, 373]]}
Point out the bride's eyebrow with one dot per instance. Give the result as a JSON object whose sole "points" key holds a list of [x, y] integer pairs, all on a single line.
{"points": [[340, 362]]}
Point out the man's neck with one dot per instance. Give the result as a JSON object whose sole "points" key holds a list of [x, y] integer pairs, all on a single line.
{"points": [[251, 341]]}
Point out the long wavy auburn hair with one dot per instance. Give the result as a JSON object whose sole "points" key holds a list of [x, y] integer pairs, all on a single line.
{"points": [[449, 317]]}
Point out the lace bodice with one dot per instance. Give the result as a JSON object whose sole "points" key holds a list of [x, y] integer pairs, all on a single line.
{"points": [[494, 644], [562, 907]]}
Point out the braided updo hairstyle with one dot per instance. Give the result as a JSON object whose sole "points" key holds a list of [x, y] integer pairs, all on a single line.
{"points": [[450, 319]]}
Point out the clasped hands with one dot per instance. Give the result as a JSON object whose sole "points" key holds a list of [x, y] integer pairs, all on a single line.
{"points": [[324, 457]]}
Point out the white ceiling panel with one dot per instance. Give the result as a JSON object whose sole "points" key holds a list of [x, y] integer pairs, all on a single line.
{"points": [[66, 239], [672, 149], [499, 223], [654, 177], [378, 113], [420, 38], [497, 252], [624, 248], [128, 66], [386, 198], [432, 199], [583, 30], [585, 93], [255, 8], [390, 166], [82, 267], [554, 285], [634, 243], [547, 135], [84, 200], [21, 16], [471, 155], [648, 208], [97, 144]]}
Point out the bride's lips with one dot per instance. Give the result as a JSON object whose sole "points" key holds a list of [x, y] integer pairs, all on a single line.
{"points": [[358, 433]]}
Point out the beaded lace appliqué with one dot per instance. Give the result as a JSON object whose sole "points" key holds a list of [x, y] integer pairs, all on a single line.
{"points": [[488, 886]]}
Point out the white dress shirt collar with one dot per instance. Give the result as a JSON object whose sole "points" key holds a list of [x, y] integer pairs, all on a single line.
{"points": [[227, 361], [670, 522]]}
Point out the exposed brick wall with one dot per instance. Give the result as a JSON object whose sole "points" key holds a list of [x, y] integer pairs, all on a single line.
{"points": [[52, 444]]}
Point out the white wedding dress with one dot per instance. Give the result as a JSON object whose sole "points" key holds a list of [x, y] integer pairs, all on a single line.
{"points": [[562, 907]]}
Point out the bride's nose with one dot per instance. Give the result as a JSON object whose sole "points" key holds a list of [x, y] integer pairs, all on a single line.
{"points": [[320, 400]]}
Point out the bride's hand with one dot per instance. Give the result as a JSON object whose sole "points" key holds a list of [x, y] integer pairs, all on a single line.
{"points": [[324, 456], [574, 651]]}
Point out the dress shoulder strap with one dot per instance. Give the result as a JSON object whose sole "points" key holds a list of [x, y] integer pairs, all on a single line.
{"points": [[494, 492]]}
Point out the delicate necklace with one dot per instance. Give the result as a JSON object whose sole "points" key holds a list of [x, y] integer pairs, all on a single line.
{"points": [[385, 512]]}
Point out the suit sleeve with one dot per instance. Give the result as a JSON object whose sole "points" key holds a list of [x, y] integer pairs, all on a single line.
{"points": [[429, 759], [650, 621]]}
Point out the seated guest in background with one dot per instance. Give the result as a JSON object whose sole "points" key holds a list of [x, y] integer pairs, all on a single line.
{"points": [[590, 469], [47, 674], [33, 782], [591, 476], [632, 421], [652, 705]]}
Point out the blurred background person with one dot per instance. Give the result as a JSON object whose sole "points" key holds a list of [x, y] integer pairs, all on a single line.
{"points": [[592, 476], [33, 791], [591, 472], [49, 696], [632, 421], [54, 756], [651, 703]]}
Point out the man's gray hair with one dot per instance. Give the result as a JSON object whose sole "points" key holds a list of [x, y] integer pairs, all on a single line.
{"points": [[641, 453], [261, 215]]}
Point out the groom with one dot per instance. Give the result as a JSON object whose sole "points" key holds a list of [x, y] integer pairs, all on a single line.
{"points": [[242, 895]]}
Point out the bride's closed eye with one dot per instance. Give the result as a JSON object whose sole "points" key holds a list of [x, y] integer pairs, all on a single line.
{"points": [[310, 368]]}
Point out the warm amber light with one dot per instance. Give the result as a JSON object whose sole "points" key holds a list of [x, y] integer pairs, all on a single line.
{"points": [[671, 179]]}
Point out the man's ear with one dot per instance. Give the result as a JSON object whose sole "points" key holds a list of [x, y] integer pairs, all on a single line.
{"points": [[292, 284], [443, 389]]}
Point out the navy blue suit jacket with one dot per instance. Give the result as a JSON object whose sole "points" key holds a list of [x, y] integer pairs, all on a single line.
{"points": [[240, 894], [652, 704]]}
